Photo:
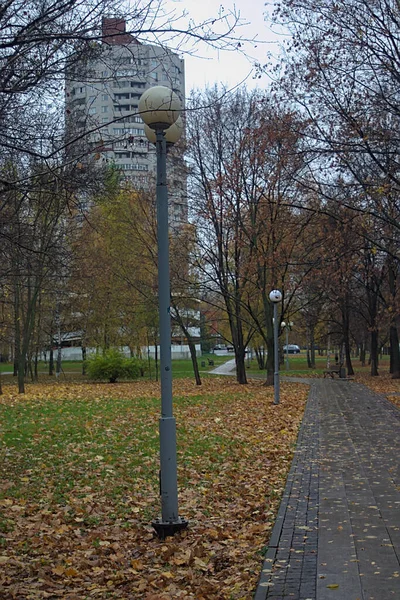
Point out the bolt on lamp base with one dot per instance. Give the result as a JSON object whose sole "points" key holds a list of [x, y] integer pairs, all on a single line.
{"points": [[169, 528]]}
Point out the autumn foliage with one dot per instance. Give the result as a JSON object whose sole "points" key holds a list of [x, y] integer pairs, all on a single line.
{"points": [[78, 491]]}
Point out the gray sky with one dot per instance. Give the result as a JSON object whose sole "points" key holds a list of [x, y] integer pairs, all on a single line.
{"points": [[224, 67]]}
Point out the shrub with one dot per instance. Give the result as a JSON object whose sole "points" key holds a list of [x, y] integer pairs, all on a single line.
{"points": [[112, 365]]}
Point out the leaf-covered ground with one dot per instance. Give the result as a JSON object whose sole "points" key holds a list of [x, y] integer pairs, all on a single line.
{"points": [[78, 489], [384, 384]]}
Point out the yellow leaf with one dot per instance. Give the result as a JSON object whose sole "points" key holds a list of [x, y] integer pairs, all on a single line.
{"points": [[58, 570], [71, 572], [167, 574], [333, 586]]}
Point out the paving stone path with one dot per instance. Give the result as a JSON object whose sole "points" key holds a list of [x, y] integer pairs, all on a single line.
{"points": [[337, 534]]}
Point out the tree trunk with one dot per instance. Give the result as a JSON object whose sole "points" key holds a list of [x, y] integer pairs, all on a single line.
{"points": [[260, 356], [346, 339], [363, 354], [240, 357], [83, 360], [36, 364], [156, 357], [394, 352], [192, 348], [311, 347], [374, 353], [51, 361], [347, 350], [21, 373]]}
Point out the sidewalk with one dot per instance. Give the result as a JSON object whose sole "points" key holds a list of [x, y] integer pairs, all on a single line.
{"points": [[337, 534], [225, 369]]}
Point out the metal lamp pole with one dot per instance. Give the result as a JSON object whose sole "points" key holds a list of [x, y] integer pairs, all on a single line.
{"points": [[275, 297], [170, 521]]}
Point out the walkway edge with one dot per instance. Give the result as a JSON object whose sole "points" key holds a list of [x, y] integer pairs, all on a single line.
{"points": [[270, 557]]}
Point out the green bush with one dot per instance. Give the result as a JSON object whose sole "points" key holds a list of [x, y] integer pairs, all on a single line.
{"points": [[112, 365]]}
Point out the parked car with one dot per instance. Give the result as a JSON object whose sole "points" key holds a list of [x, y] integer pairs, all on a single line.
{"points": [[291, 349]]}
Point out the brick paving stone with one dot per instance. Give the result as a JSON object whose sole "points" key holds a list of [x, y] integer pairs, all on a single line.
{"points": [[338, 526]]}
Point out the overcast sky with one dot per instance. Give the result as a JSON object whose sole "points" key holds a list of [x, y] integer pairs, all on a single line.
{"points": [[224, 67]]}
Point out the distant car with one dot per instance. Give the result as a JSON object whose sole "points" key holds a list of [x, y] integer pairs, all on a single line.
{"points": [[291, 349]]}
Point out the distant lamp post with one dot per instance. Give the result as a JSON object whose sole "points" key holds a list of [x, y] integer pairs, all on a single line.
{"points": [[287, 327], [159, 108], [275, 296]]}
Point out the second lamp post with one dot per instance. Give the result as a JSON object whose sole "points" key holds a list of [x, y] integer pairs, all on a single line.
{"points": [[275, 296]]}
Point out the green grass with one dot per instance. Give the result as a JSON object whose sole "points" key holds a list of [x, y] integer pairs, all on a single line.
{"points": [[85, 440], [184, 368], [56, 447], [298, 365], [180, 368]]}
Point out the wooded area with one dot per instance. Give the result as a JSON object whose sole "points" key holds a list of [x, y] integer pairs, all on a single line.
{"points": [[295, 187]]}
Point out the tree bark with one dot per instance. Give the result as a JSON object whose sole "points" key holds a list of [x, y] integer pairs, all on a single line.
{"points": [[363, 354], [394, 352], [192, 348], [83, 360], [374, 353], [51, 360], [346, 337]]}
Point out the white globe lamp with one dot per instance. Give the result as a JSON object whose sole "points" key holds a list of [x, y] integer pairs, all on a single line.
{"points": [[159, 107]]}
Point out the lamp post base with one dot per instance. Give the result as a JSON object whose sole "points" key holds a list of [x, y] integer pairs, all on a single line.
{"points": [[169, 528]]}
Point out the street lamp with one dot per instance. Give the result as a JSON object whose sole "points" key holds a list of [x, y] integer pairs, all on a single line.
{"points": [[287, 327], [275, 296], [159, 108]]}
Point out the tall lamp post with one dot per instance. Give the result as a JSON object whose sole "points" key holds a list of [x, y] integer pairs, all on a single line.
{"points": [[275, 296], [159, 108]]}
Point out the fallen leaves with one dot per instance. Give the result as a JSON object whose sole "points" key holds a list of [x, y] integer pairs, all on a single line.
{"points": [[80, 488], [384, 384]]}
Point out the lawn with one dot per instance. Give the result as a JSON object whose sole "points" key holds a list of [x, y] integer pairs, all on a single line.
{"points": [[180, 367], [298, 366], [79, 488]]}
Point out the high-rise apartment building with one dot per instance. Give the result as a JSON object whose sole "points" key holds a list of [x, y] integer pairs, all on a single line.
{"points": [[102, 98]]}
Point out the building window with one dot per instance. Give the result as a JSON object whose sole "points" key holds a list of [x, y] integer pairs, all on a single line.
{"points": [[92, 110], [104, 109], [132, 167], [104, 97]]}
